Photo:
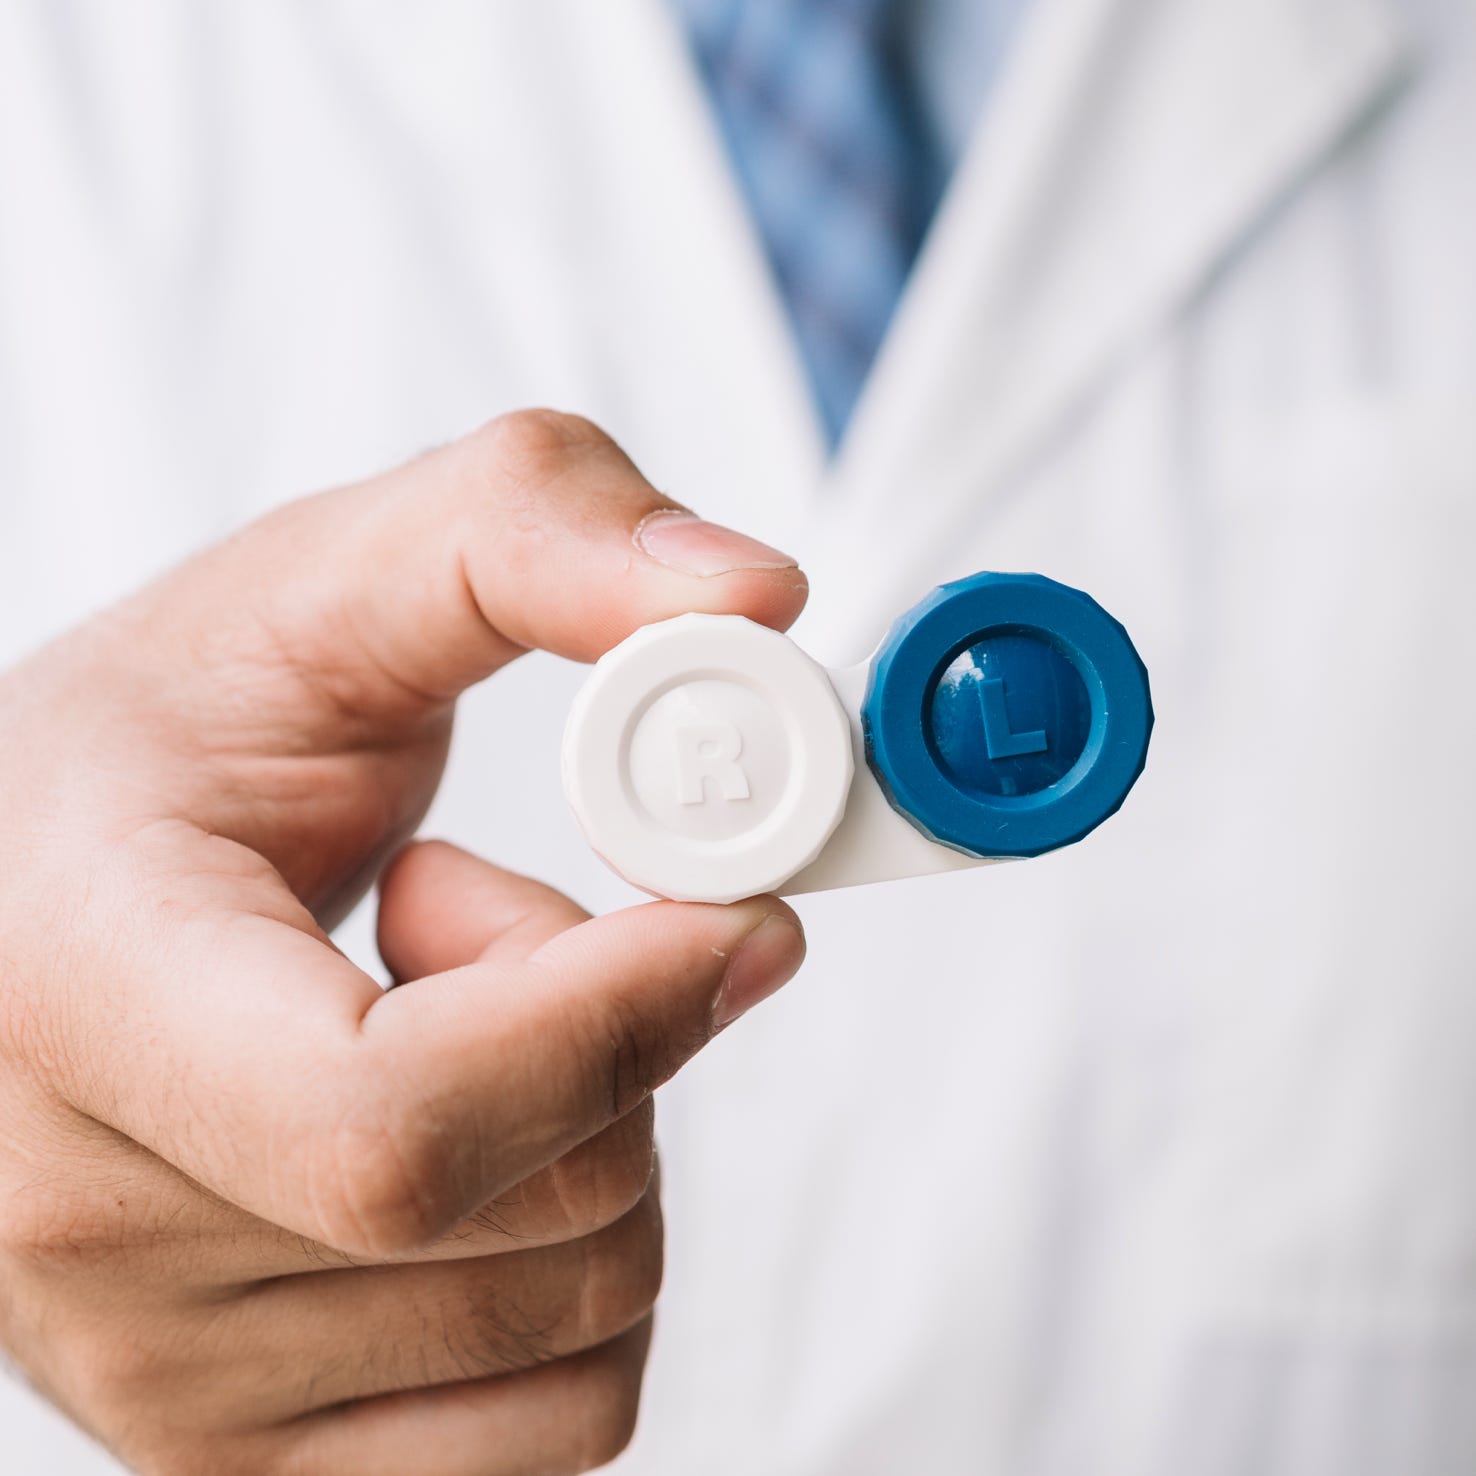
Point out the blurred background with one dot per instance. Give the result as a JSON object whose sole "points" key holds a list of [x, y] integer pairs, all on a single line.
{"points": [[1151, 1156]]}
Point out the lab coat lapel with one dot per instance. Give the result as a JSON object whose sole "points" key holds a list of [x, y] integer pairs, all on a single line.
{"points": [[1132, 146], [692, 364]]}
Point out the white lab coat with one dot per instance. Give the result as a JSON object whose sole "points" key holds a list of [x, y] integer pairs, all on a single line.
{"points": [[1149, 1158]]}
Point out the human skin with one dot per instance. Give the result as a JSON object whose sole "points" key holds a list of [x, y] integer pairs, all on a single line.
{"points": [[256, 1214]]}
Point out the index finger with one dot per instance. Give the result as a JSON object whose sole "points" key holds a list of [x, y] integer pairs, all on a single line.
{"points": [[395, 594]]}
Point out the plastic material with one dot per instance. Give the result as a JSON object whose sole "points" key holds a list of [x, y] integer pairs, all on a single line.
{"points": [[708, 758], [1007, 715]]}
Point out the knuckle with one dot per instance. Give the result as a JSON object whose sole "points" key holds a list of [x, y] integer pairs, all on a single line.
{"points": [[605, 1177], [383, 1190], [626, 1264], [610, 1402], [528, 439]]}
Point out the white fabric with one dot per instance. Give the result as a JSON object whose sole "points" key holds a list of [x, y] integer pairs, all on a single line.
{"points": [[1147, 1158]]}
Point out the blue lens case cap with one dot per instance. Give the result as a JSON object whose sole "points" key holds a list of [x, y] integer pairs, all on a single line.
{"points": [[1006, 715]]}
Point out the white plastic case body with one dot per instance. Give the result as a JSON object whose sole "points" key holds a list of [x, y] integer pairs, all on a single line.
{"points": [[708, 758]]}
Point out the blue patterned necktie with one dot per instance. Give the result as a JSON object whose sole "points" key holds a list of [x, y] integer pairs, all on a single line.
{"points": [[840, 178]]}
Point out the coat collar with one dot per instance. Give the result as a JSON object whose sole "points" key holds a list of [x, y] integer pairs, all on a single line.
{"points": [[1132, 146]]}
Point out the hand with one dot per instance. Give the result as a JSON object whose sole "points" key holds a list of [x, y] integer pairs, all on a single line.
{"points": [[257, 1215]]}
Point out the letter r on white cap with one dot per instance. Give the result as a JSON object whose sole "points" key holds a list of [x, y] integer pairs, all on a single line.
{"points": [[709, 751]]}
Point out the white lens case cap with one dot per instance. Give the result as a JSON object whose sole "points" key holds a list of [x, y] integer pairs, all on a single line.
{"points": [[707, 758]]}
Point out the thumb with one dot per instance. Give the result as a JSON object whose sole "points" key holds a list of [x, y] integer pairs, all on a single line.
{"points": [[249, 1053], [394, 595]]}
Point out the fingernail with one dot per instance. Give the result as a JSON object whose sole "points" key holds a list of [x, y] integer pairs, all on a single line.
{"points": [[684, 542], [768, 958]]}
